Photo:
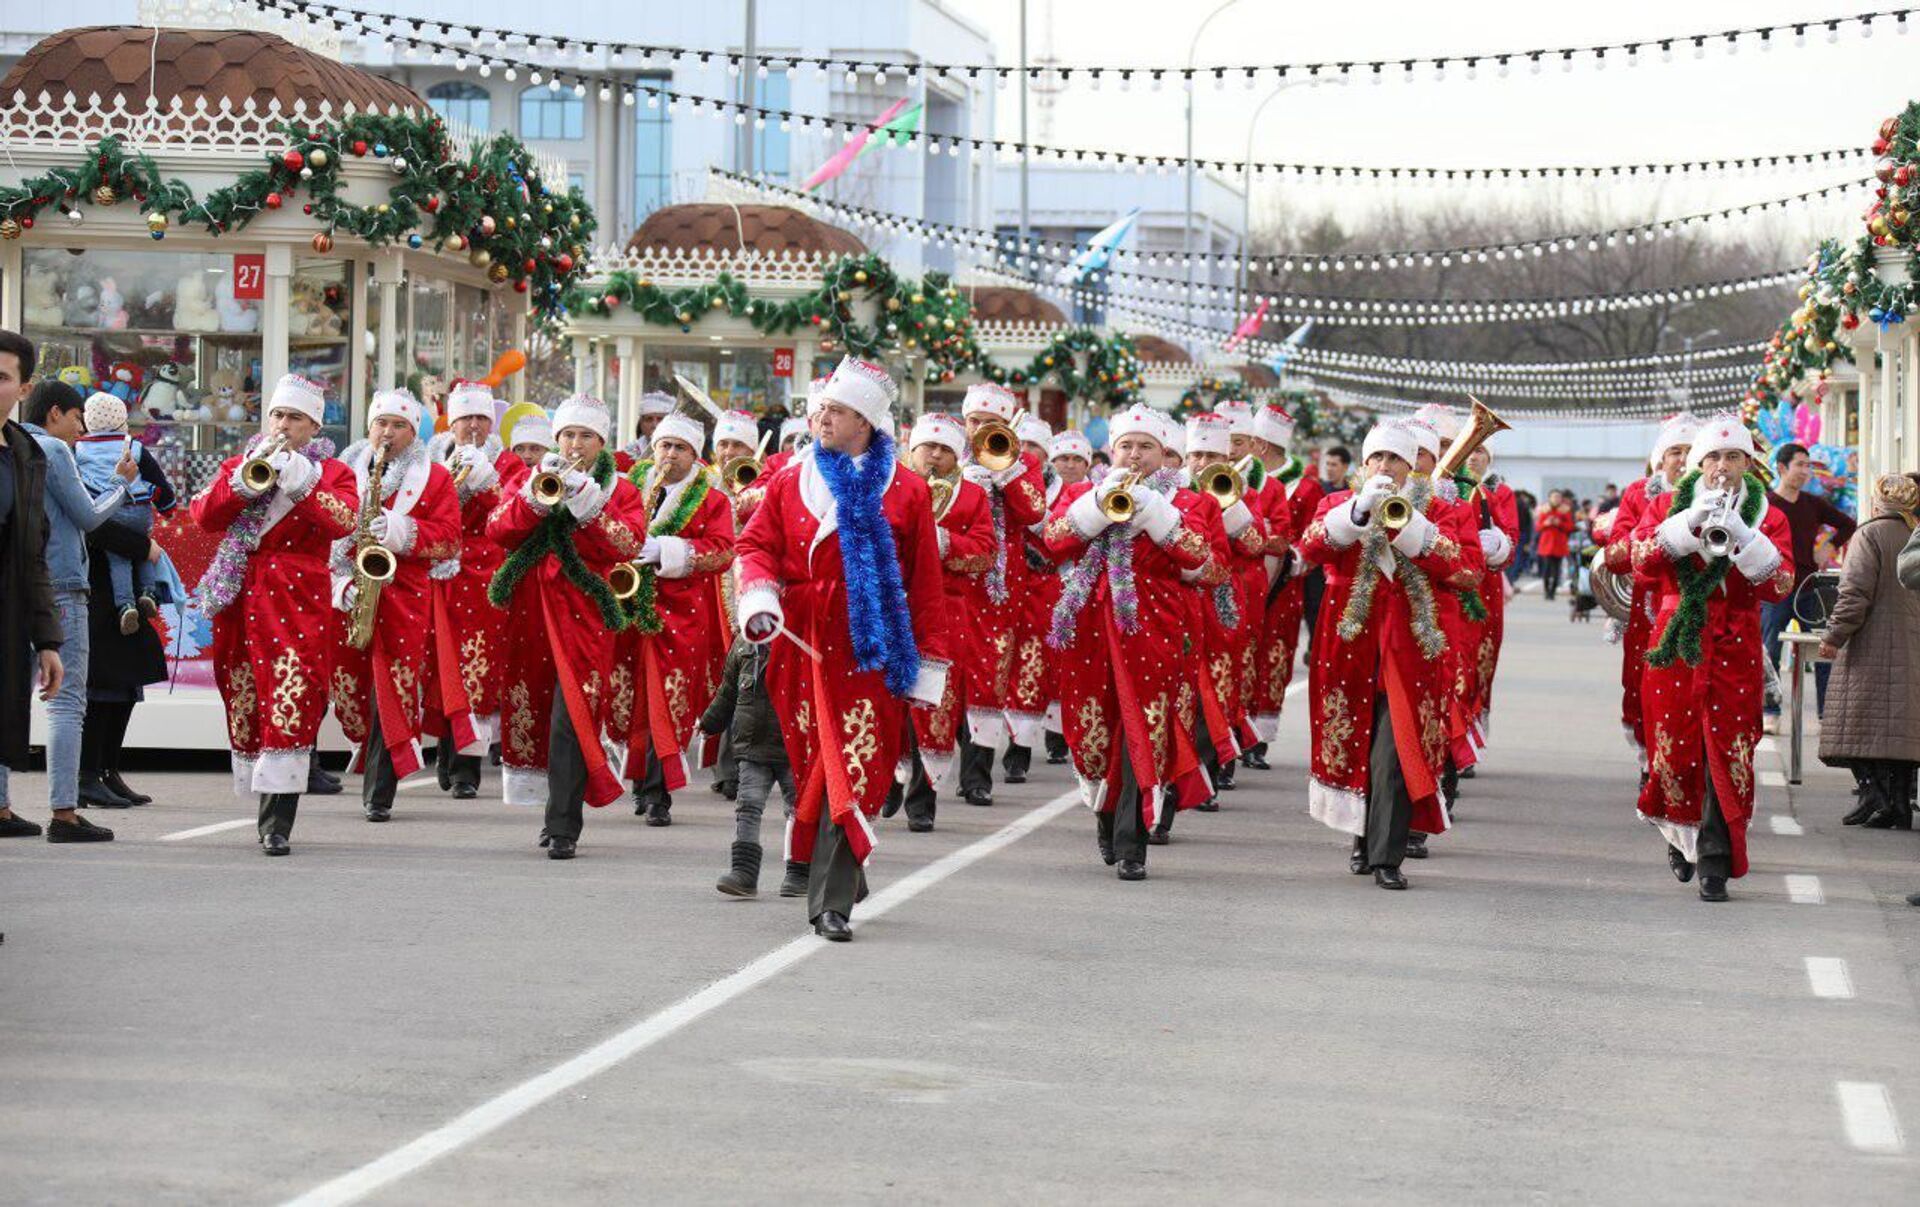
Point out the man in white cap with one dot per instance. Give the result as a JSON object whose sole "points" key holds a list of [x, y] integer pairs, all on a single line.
{"points": [[532, 441], [1669, 462], [1286, 501], [841, 564], [462, 699], [1121, 631], [1379, 681], [669, 659], [736, 442], [562, 617], [1036, 587], [1231, 609], [1498, 514], [1071, 456], [1017, 498], [964, 528], [1714, 551], [271, 652], [655, 405], [379, 689]]}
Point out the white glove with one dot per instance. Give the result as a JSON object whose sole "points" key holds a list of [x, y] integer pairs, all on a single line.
{"points": [[979, 475], [1153, 514], [1373, 492], [1704, 504], [279, 460], [1011, 473], [760, 627], [482, 473], [1493, 544], [575, 479], [1676, 535], [344, 598], [379, 526], [1414, 539], [585, 500], [1237, 517], [1086, 517], [1737, 528], [650, 553], [297, 477]]}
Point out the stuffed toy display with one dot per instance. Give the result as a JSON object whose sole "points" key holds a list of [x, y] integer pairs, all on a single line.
{"points": [[111, 313], [193, 308], [164, 397], [235, 315], [40, 298]]}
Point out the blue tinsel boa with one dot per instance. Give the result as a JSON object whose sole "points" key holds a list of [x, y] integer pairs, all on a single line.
{"points": [[878, 620]]}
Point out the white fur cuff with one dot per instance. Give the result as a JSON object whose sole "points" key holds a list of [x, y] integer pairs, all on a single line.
{"points": [[1497, 548], [931, 683], [760, 600], [1342, 529], [674, 554], [1417, 538], [1758, 559], [1161, 521], [1237, 517], [1676, 538]]}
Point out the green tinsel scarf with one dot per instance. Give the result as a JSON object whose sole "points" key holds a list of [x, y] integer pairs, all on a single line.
{"points": [[1697, 582], [643, 609], [555, 536], [1290, 473]]}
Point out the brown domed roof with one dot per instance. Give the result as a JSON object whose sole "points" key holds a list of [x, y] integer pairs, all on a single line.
{"points": [[1002, 304], [1259, 377], [1154, 350], [235, 64], [714, 226]]}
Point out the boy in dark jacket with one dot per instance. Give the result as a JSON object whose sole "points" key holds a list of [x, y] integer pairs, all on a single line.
{"points": [[742, 703]]}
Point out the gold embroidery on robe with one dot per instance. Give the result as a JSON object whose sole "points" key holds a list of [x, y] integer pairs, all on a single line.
{"points": [[242, 701], [1156, 710], [1740, 766], [346, 702], [1336, 727], [475, 666], [1032, 662], [519, 723], [337, 511], [289, 688], [1094, 738], [675, 687], [1433, 731], [862, 742], [1670, 791], [1487, 653], [406, 686], [620, 714]]}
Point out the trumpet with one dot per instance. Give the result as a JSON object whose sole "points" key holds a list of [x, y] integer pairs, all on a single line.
{"points": [[1116, 498], [1395, 510], [549, 486], [258, 471], [1226, 483], [1716, 540], [466, 467], [995, 446], [624, 580]]}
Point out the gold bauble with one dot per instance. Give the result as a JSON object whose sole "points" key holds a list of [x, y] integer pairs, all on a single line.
{"points": [[479, 257], [104, 195], [157, 222], [323, 242], [497, 274], [9, 229]]}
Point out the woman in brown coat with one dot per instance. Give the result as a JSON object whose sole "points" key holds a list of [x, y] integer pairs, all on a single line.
{"points": [[1872, 723]]}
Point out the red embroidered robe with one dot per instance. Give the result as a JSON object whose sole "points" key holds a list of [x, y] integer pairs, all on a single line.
{"points": [[1286, 608], [462, 702], [273, 645], [1034, 582], [1705, 720], [965, 536], [1460, 522], [1501, 508], [989, 650], [1633, 643], [1383, 659], [1219, 614]]}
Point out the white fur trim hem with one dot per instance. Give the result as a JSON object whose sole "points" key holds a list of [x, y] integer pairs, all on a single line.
{"points": [[1684, 839], [279, 772], [1337, 808], [242, 775], [524, 786], [930, 683], [1026, 729], [1266, 726], [1093, 793], [760, 600], [1758, 560], [987, 728]]}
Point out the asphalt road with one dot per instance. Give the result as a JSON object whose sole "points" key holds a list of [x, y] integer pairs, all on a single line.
{"points": [[431, 1012]]}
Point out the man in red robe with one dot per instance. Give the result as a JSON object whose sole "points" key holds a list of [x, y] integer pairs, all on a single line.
{"points": [[1121, 631], [266, 591], [655, 405], [379, 691], [562, 617], [1035, 587], [1498, 514], [1712, 551], [841, 564], [1291, 497], [670, 657], [1070, 455], [1378, 683]]}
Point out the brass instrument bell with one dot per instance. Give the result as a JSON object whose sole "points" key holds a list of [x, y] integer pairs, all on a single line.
{"points": [[258, 471], [1116, 501]]}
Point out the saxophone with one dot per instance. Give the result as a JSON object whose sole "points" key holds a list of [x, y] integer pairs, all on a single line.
{"points": [[373, 563]]}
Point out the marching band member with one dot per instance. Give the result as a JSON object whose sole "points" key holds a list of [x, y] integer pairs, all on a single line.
{"points": [[468, 631], [1071, 456], [1712, 551], [1017, 498], [841, 562], [562, 617], [379, 682], [267, 593], [1378, 682], [532, 441], [1036, 587], [1499, 520], [1120, 630], [1669, 461], [736, 441], [1290, 496], [655, 405], [964, 530], [669, 659], [797, 430]]}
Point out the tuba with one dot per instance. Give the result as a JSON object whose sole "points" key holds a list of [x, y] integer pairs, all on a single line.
{"points": [[373, 563], [257, 471], [1613, 591], [1478, 429]]}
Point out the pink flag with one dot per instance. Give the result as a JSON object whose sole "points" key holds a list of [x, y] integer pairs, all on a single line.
{"points": [[847, 154], [1249, 326]]}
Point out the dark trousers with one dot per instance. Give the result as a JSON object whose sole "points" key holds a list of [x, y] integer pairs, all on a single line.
{"points": [[1550, 575], [458, 768], [102, 736], [1715, 853], [1017, 760], [378, 784], [1129, 819], [1056, 745], [651, 785], [726, 765], [1774, 619], [1311, 591], [976, 766], [566, 773], [1389, 807], [917, 795], [836, 878], [276, 813]]}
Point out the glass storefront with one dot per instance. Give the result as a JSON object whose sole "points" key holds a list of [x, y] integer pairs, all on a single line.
{"points": [[737, 378]]}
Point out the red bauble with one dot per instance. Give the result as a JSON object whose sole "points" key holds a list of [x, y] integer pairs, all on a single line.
{"points": [[359, 146], [26, 223], [432, 204], [1849, 321], [323, 243], [520, 286], [272, 201], [1889, 128], [609, 301], [530, 265], [564, 262], [293, 161], [307, 208], [1879, 146]]}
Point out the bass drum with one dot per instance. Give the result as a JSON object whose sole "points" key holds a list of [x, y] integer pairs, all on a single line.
{"points": [[1614, 591]]}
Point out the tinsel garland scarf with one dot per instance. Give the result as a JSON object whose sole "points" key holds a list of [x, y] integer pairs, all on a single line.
{"points": [[1375, 540], [555, 536], [1682, 636], [1291, 471], [877, 617], [643, 608], [227, 572], [1110, 553], [493, 205]]}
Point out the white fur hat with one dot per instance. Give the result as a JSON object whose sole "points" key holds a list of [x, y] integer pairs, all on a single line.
{"points": [[1680, 429], [105, 413], [1136, 420], [1443, 419], [814, 389], [936, 427], [1171, 433], [1209, 434], [986, 398], [1274, 425], [1396, 436], [296, 393], [585, 411], [684, 428], [733, 425], [533, 429], [469, 399], [1425, 435], [1033, 430], [397, 404], [1070, 444], [790, 428], [657, 402], [1721, 434], [1239, 416], [863, 388]]}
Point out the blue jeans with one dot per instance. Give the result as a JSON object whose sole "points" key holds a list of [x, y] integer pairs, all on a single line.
{"points": [[1774, 618], [131, 578], [67, 711], [756, 785]]}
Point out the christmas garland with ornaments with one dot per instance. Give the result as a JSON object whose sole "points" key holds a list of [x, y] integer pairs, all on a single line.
{"points": [[1112, 374], [492, 206], [1808, 343], [1208, 393]]}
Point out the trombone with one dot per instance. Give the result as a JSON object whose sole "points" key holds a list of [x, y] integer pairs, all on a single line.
{"points": [[258, 471], [738, 473]]}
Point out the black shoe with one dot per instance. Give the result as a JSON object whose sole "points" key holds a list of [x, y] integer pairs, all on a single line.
{"points": [[1224, 781], [896, 796], [1132, 869], [1889, 819], [979, 796], [1210, 805], [1913, 898], [1468, 773], [718, 787], [1055, 759], [794, 883], [659, 813], [443, 764], [1016, 777], [321, 783], [832, 927], [560, 848], [275, 844], [1682, 870], [376, 813], [743, 879], [1416, 846], [493, 753], [1159, 838], [1713, 888], [1389, 878], [919, 825], [95, 794], [465, 792], [1103, 834], [1357, 861], [18, 827], [112, 780], [77, 830], [1868, 806]]}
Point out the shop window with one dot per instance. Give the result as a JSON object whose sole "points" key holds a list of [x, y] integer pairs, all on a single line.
{"points": [[547, 114], [652, 153], [460, 101]]}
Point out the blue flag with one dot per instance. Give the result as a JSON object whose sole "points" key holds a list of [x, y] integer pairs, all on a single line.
{"points": [[1099, 249]]}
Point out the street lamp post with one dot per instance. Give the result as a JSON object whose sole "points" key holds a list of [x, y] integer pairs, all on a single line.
{"points": [[1186, 228], [1246, 184]]}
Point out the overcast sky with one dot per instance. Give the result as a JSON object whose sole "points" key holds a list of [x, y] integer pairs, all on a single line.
{"points": [[1752, 103]]}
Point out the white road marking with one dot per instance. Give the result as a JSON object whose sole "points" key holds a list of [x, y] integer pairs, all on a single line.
{"points": [[1867, 1111], [1772, 779], [512, 1103], [215, 828], [1785, 826], [1805, 890], [1829, 977], [1765, 745]]}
